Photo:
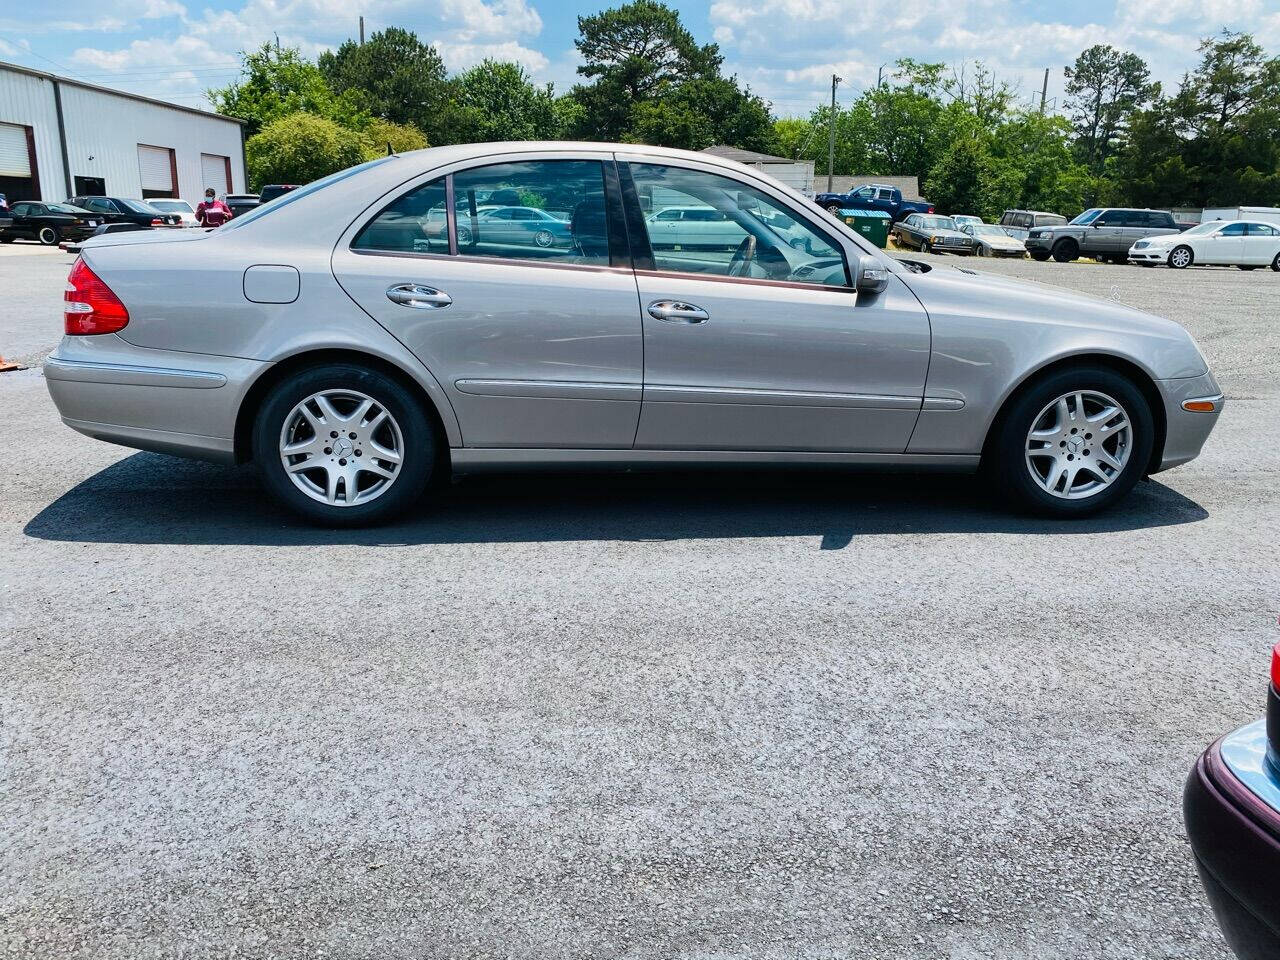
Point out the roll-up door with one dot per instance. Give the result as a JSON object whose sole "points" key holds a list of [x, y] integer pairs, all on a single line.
{"points": [[15, 160], [155, 164], [213, 171]]}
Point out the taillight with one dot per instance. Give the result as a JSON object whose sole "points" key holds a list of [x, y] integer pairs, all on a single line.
{"points": [[157, 222], [931, 209], [1275, 667], [91, 307]]}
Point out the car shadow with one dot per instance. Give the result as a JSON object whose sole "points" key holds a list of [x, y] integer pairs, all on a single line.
{"points": [[150, 498]]}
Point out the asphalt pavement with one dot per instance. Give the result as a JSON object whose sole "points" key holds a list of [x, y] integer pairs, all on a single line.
{"points": [[696, 715]]}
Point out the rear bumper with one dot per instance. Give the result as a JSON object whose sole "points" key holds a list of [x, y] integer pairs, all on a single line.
{"points": [[1187, 431], [1235, 835], [178, 403]]}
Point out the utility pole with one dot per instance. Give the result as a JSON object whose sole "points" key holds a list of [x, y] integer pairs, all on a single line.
{"points": [[880, 76], [362, 31], [1044, 90], [277, 46], [831, 133]]}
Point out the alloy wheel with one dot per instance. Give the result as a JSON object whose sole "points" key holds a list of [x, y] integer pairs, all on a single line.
{"points": [[1180, 258], [1078, 444], [341, 447], [543, 238]]}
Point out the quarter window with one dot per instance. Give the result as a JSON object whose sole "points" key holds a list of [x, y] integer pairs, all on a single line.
{"points": [[412, 223], [730, 229], [1261, 230], [550, 210]]}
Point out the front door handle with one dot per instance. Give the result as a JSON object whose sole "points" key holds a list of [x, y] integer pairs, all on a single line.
{"points": [[677, 311], [418, 295]]}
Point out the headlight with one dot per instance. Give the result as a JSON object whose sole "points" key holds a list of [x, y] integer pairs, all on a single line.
{"points": [[1045, 235], [933, 239]]}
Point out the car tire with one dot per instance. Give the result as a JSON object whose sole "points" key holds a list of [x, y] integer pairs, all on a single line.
{"points": [[464, 235], [1275, 264], [318, 494], [1181, 257], [7, 239], [926, 246], [1064, 251], [1242, 266], [1079, 491], [48, 236], [544, 238], [1040, 257], [831, 208]]}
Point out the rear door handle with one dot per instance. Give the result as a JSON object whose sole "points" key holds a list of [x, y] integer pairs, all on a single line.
{"points": [[677, 311], [418, 295]]}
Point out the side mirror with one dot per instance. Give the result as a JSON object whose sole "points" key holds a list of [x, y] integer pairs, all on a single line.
{"points": [[871, 276]]}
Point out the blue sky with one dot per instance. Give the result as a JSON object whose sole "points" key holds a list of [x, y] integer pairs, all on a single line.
{"points": [[785, 50]]}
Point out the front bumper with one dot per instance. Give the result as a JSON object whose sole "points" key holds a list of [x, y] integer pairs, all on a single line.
{"points": [[179, 403], [1148, 254], [1231, 805], [1186, 431], [1039, 244]]}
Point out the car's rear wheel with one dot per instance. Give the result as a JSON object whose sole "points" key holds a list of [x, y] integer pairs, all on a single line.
{"points": [[1181, 257], [48, 236], [1064, 251], [344, 445], [1074, 443], [544, 238], [1275, 264]]}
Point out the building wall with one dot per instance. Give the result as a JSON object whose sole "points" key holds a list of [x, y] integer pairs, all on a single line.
{"points": [[798, 176], [910, 186], [28, 102], [109, 128]]}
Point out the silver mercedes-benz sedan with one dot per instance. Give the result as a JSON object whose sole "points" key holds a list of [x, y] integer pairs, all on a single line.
{"points": [[393, 322]]}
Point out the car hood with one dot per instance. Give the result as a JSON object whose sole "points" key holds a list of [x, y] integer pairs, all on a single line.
{"points": [[129, 237], [959, 292], [1011, 243], [1163, 240]]}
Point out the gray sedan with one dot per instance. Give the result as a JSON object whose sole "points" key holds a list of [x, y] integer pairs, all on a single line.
{"points": [[353, 363]]}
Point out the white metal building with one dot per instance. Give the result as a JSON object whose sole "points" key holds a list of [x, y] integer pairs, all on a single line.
{"points": [[62, 138], [796, 174]]}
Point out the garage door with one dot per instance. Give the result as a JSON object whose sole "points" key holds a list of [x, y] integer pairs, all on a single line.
{"points": [[156, 167], [15, 161], [213, 170]]}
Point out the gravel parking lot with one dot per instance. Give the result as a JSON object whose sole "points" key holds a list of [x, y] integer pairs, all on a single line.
{"points": [[700, 715]]}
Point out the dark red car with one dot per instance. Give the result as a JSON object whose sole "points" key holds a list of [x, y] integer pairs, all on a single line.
{"points": [[1232, 810]]}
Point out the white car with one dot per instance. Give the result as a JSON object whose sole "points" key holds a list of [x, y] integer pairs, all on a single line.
{"points": [[180, 207], [1247, 244]]}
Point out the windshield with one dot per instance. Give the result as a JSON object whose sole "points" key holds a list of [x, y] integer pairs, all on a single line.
{"points": [[938, 223], [1203, 228], [138, 206], [1088, 216], [266, 209], [172, 206]]}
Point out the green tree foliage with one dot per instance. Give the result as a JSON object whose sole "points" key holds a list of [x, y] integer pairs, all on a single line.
{"points": [[276, 83], [1104, 89], [301, 147], [497, 101], [396, 77], [401, 137]]}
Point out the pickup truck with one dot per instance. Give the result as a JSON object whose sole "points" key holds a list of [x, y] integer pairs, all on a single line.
{"points": [[874, 196]]}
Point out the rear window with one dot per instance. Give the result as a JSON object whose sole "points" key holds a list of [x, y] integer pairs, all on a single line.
{"points": [[138, 206], [266, 209]]}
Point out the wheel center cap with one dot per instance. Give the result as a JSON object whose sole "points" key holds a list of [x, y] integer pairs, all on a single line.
{"points": [[342, 447], [1075, 444]]}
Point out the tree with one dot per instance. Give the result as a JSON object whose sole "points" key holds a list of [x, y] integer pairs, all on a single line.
{"points": [[1104, 87], [497, 101], [396, 77], [401, 137], [700, 113], [276, 83], [299, 148], [968, 179]]}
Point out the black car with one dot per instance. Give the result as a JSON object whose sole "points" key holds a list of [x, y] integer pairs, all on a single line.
{"points": [[1232, 810], [239, 203], [273, 190], [48, 222], [120, 210]]}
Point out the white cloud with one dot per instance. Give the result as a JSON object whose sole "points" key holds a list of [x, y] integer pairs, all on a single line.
{"points": [[460, 56]]}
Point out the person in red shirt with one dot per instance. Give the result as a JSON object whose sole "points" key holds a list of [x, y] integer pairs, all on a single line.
{"points": [[212, 212]]}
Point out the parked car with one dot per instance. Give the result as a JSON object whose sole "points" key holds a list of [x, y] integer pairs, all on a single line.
{"points": [[239, 203], [1231, 805], [1020, 223], [932, 234], [514, 225], [48, 223], [993, 241], [1105, 233], [186, 215], [612, 350], [75, 246], [273, 190], [965, 219], [124, 210], [1247, 244], [5, 219], [874, 196]]}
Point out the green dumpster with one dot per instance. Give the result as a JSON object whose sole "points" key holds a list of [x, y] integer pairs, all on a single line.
{"points": [[872, 224]]}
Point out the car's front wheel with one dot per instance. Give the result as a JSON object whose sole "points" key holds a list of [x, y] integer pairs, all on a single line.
{"points": [[1074, 443], [344, 445], [1181, 257], [1275, 264], [1064, 251]]}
